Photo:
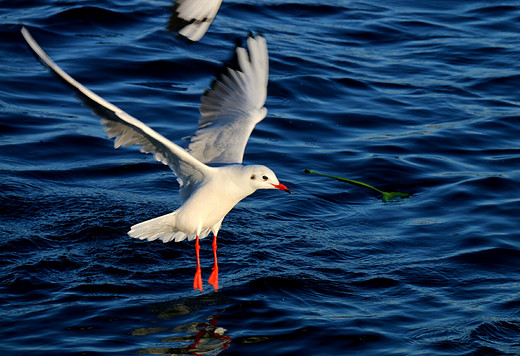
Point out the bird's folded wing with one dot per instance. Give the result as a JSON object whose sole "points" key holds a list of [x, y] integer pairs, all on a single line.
{"points": [[232, 107], [191, 18], [126, 129]]}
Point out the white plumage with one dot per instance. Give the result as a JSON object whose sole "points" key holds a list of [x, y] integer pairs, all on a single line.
{"points": [[229, 112], [192, 18]]}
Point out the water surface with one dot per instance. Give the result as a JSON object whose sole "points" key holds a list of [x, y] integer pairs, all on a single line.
{"points": [[420, 98]]}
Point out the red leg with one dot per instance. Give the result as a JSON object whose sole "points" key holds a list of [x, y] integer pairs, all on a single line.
{"points": [[197, 281], [213, 279]]}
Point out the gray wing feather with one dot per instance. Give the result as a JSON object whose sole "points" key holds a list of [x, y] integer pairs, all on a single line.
{"points": [[128, 130], [232, 107]]}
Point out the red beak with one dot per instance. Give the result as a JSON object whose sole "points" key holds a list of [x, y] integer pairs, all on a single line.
{"points": [[282, 187]]}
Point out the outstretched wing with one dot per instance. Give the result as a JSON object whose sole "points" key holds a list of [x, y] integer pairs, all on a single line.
{"points": [[232, 107], [191, 18], [128, 130]]}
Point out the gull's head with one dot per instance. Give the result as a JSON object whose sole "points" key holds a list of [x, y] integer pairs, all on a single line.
{"points": [[261, 177]]}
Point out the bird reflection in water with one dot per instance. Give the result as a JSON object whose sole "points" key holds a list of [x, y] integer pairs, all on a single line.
{"points": [[206, 338], [209, 339]]}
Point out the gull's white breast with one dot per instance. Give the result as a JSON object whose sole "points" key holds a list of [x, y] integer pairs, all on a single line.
{"points": [[213, 199]]}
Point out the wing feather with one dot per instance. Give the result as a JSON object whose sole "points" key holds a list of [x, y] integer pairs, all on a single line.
{"points": [[192, 18], [128, 130], [232, 107]]}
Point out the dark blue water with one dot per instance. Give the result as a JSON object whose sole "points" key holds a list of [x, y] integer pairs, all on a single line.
{"points": [[407, 97]]}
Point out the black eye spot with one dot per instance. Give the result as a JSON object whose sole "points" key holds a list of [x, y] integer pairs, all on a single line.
{"points": [[264, 177], [252, 176]]}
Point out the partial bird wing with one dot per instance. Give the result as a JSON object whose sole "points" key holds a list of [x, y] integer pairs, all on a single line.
{"points": [[129, 131], [232, 107], [191, 18]]}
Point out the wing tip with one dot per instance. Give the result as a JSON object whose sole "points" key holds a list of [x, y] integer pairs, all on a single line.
{"points": [[192, 25], [233, 64]]}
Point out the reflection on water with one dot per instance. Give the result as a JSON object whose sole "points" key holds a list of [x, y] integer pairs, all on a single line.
{"points": [[191, 338]]}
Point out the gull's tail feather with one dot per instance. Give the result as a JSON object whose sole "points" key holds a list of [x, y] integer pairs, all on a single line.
{"points": [[162, 228]]}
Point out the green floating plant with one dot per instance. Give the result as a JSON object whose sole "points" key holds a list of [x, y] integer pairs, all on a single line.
{"points": [[385, 195]]}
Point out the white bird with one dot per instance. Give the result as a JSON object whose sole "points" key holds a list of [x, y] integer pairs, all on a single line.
{"points": [[192, 18], [229, 112]]}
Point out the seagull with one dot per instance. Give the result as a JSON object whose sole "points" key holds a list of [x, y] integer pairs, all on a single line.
{"points": [[210, 172], [192, 18]]}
